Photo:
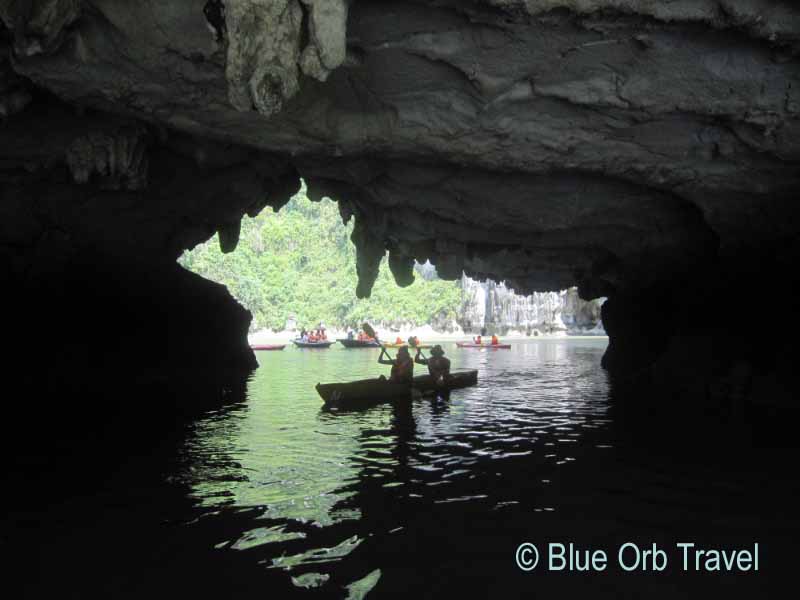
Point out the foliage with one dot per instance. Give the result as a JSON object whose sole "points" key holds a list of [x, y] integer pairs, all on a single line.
{"points": [[299, 263]]}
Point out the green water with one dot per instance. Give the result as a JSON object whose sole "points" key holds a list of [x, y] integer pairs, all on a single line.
{"points": [[271, 496]]}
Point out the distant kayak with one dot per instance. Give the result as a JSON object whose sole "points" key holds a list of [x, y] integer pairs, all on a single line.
{"points": [[268, 346], [348, 343], [421, 346], [321, 345], [490, 346], [367, 392]]}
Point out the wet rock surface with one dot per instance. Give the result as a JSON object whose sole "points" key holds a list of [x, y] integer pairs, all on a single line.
{"points": [[634, 149]]}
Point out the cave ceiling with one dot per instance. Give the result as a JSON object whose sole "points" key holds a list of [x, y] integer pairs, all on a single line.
{"points": [[606, 143]]}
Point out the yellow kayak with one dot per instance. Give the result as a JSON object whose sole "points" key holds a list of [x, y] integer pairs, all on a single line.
{"points": [[421, 346]]}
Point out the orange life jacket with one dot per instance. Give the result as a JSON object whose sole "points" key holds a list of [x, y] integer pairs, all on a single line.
{"points": [[402, 370]]}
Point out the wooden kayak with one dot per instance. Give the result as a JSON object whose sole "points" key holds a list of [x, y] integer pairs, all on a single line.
{"points": [[302, 344], [348, 343], [376, 391], [268, 346], [490, 346]]}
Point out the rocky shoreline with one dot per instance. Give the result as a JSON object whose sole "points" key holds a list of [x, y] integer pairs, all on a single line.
{"points": [[425, 334]]}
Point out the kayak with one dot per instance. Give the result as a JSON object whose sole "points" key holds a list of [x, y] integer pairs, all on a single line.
{"points": [[348, 343], [404, 345], [376, 391], [491, 346], [301, 344], [268, 347]]}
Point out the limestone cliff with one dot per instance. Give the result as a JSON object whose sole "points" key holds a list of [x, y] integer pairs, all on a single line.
{"points": [[497, 309]]}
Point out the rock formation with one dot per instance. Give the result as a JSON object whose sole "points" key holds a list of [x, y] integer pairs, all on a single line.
{"points": [[497, 309], [643, 151]]}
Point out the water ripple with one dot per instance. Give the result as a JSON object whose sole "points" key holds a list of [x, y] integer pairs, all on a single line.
{"points": [[528, 414]]}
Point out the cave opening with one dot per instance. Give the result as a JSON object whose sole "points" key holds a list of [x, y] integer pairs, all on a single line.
{"points": [[295, 269], [173, 181]]}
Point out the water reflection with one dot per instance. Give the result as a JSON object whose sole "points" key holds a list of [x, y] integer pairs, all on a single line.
{"points": [[432, 498], [272, 494], [337, 492]]}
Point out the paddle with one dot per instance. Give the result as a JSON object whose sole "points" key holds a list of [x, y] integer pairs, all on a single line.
{"points": [[417, 348], [371, 333]]}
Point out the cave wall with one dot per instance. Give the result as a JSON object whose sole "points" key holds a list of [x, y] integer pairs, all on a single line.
{"points": [[95, 209], [714, 343], [643, 151], [611, 142]]}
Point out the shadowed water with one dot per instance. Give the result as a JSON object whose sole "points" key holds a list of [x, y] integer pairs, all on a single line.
{"points": [[274, 495]]}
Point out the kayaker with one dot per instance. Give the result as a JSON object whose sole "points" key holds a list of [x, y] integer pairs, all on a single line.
{"points": [[478, 341], [402, 366], [413, 341], [398, 341], [495, 341], [438, 365]]}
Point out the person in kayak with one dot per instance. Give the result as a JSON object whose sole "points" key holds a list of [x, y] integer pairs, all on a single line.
{"points": [[495, 341], [478, 341], [402, 366], [413, 341], [438, 365], [398, 341]]}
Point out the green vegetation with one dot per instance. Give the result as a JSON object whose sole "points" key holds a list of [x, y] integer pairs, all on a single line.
{"points": [[300, 263]]}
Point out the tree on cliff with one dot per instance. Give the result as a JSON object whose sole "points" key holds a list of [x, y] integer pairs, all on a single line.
{"points": [[300, 263]]}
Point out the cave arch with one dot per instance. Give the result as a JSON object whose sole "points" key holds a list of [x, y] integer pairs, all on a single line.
{"points": [[648, 154]]}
